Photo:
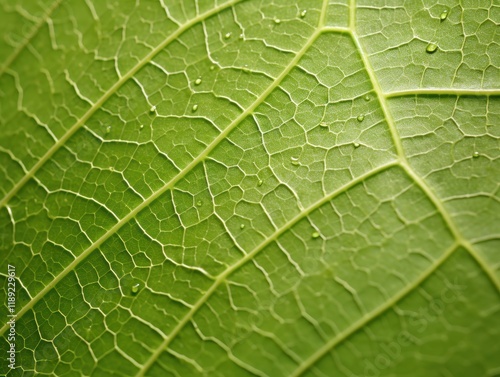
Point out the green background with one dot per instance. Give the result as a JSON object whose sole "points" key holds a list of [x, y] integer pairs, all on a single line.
{"points": [[251, 188]]}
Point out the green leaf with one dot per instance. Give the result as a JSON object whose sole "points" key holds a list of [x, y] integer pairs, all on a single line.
{"points": [[250, 188]]}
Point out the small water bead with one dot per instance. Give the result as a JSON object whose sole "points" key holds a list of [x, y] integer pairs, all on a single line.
{"points": [[323, 124], [356, 145], [246, 69], [199, 203], [476, 154], [260, 183], [277, 21], [315, 235], [444, 15], [242, 226], [295, 161], [241, 36], [360, 118], [367, 98], [228, 35], [152, 109], [108, 129], [303, 13], [141, 126], [135, 288], [195, 107], [212, 67], [431, 48], [197, 81]]}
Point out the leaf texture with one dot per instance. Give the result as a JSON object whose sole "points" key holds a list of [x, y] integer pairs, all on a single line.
{"points": [[251, 188]]}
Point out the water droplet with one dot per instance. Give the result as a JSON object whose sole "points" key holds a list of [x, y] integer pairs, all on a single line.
{"points": [[241, 36], [315, 235], [476, 154], [135, 288], [295, 161], [242, 226], [141, 126], [246, 69], [303, 13], [260, 183], [199, 203], [356, 145], [195, 107], [227, 36], [197, 81], [108, 129], [367, 98], [277, 21], [152, 109], [360, 118], [323, 124], [212, 67], [431, 48], [444, 15]]}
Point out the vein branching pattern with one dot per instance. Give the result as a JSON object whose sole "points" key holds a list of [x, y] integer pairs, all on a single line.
{"points": [[251, 188]]}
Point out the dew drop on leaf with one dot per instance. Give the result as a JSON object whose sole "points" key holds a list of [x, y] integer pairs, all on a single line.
{"points": [[212, 67], [444, 15], [141, 126], [199, 203], [227, 36], [152, 109], [277, 21], [315, 235], [135, 288], [356, 145], [303, 13], [260, 183], [197, 81], [360, 118], [195, 107], [476, 154], [295, 161], [323, 124], [367, 98], [242, 226], [431, 48], [108, 129]]}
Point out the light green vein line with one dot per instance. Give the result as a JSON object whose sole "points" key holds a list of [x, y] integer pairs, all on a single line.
{"points": [[444, 92], [29, 37], [352, 15], [453, 228], [363, 321], [169, 184], [419, 181], [383, 103], [248, 257], [107, 95], [336, 29], [322, 17]]}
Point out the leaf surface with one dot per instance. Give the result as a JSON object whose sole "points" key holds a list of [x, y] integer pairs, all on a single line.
{"points": [[251, 188]]}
